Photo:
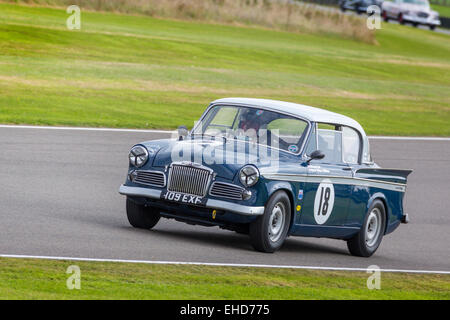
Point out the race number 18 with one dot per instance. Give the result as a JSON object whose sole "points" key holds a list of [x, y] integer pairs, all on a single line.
{"points": [[324, 201]]}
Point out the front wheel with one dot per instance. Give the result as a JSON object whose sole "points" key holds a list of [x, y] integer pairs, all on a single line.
{"points": [[432, 27], [368, 239], [268, 231], [140, 216]]}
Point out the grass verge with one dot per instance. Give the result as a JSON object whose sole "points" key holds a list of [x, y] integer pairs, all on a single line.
{"points": [[46, 279], [273, 14], [444, 11], [141, 72]]}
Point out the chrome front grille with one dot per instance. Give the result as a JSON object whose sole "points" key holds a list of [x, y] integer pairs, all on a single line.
{"points": [[151, 178], [189, 179], [422, 14], [226, 190]]}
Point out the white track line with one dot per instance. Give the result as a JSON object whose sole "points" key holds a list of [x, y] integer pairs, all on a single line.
{"points": [[244, 265], [169, 132], [409, 138], [84, 129]]}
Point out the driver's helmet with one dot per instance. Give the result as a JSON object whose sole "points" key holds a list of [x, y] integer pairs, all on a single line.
{"points": [[250, 119]]}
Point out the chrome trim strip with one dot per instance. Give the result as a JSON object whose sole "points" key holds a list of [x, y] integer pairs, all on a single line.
{"points": [[210, 203], [140, 192], [394, 186]]}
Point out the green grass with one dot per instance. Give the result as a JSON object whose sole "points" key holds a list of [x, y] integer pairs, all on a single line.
{"points": [[141, 72], [46, 279], [444, 11]]}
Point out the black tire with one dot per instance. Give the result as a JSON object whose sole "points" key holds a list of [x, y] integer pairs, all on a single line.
{"points": [[432, 27], [358, 246], [140, 216], [415, 25], [260, 236], [343, 9], [385, 16]]}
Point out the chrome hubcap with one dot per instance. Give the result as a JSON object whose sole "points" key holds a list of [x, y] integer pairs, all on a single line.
{"points": [[276, 222], [373, 227]]}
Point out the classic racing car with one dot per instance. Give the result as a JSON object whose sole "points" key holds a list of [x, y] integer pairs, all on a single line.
{"points": [[412, 11], [269, 169]]}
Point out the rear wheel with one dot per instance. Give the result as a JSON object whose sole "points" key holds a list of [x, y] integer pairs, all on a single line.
{"points": [[268, 231], [141, 216], [368, 239], [432, 27]]}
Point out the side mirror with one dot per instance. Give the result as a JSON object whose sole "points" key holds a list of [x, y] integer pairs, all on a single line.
{"points": [[182, 132], [316, 155]]}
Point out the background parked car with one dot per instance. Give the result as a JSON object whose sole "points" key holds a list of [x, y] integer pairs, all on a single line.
{"points": [[413, 11], [360, 6]]}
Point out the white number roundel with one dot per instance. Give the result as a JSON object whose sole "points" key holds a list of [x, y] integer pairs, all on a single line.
{"points": [[324, 201]]}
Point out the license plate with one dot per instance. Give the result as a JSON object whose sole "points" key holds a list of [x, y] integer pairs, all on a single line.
{"points": [[183, 198]]}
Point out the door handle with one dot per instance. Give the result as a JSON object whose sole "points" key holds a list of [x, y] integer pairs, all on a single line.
{"points": [[347, 169]]}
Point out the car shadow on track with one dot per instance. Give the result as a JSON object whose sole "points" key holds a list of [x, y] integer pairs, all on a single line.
{"points": [[229, 239], [297, 245]]}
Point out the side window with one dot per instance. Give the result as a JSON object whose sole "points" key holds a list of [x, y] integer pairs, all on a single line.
{"points": [[290, 131], [351, 144], [330, 143], [367, 158]]}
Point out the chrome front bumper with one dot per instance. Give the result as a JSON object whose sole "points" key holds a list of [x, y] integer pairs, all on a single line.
{"points": [[416, 19], [210, 203]]}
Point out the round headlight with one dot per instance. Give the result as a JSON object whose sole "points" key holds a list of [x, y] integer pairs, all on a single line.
{"points": [[138, 156], [249, 176]]}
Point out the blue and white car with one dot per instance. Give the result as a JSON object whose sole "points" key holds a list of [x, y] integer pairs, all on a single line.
{"points": [[269, 169], [359, 6]]}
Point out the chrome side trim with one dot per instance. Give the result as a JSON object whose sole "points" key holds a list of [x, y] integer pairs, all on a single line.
{"points": [[210, 203], [400, 187]]}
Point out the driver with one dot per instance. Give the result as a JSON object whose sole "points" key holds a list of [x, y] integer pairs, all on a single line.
{"points": [[250, 119]]}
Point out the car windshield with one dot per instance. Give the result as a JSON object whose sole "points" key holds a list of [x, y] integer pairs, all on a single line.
{"points": [[255, 125], [417, 2]]}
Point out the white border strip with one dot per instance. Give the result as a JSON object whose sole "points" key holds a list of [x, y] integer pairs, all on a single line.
{"points": [[84, 129], [169, 132], [409, 138], [242, 265]]}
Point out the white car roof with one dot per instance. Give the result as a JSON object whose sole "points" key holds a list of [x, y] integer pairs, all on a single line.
{"points": [[306, 112]]}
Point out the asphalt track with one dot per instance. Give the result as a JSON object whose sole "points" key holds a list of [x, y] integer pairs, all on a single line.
{"points": [[58, 197]]}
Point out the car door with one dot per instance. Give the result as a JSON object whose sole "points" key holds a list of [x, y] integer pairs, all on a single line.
{"points": [[395, 8], [328, 183]]}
